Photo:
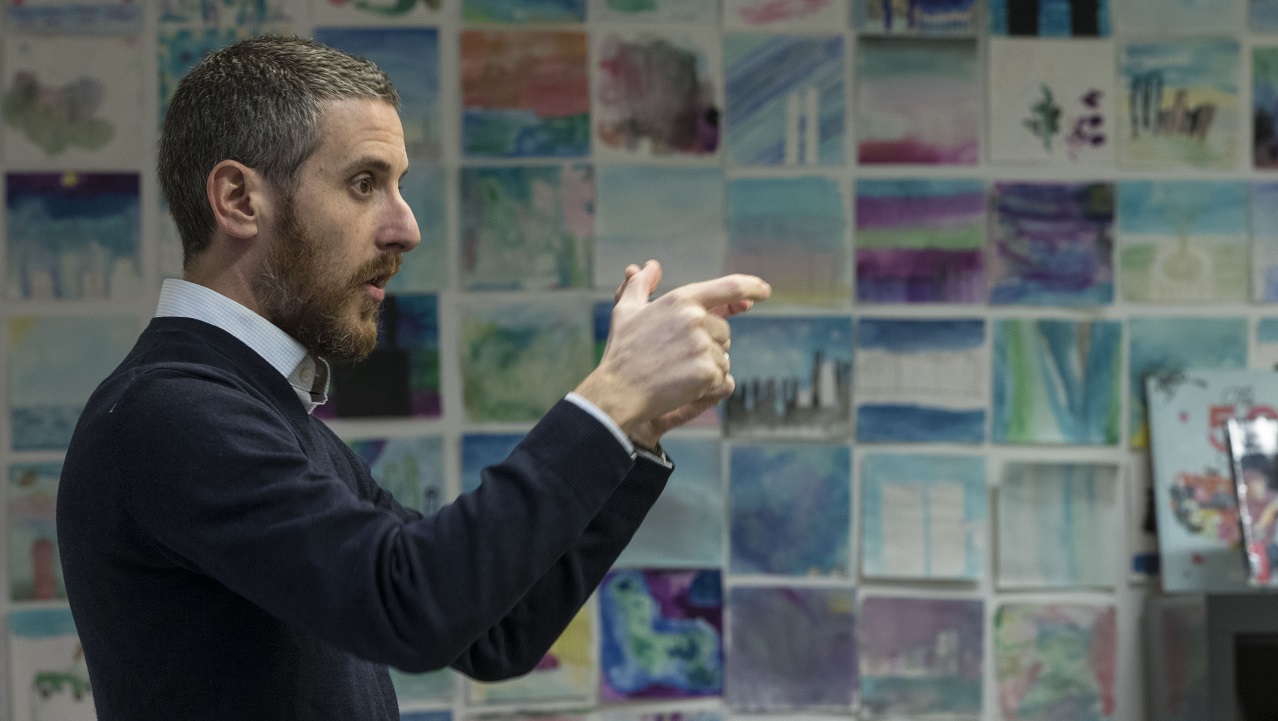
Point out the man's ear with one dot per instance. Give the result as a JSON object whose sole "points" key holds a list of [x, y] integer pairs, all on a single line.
{"points": [[237, 195]]}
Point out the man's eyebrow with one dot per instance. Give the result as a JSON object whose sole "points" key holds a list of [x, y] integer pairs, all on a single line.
{"points": [[367, 162]]}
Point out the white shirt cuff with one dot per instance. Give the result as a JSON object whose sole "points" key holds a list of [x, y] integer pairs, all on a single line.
{"points": [[607, 421]]}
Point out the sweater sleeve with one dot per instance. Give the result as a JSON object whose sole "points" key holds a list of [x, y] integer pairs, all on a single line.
{"points": [[217, 478]]}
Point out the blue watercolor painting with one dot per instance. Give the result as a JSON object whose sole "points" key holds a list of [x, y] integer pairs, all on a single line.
{"points": [[1056, 661], [1050, 18], [410, 56], [923, 516], [921, 17], [55, 363], [1262, 16], [1172, 17], [662, 634], [1179, 106], [380, 13], [790, 509], [1183, 241], [1057, 381], [520, 358], [1056, 525], [672, 214], [1164, 345], [523, 11], [785, 99], [410, 468], [793, 649], [792, 231], [921, 380], [115, 17], [224, 12], [527, 228], [684, 528], [1264, 234], [1265, 352], [35, 571], [481, 450], [794, 377], [921, 657], [525, 94], [920, 241], [426, 268], [73, 236], [1053, 244], [702, 11], [1264, 107], [401, 377], [43, 644]]}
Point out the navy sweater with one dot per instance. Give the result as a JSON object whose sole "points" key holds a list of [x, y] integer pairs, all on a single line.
{"points": [[226, 556]]}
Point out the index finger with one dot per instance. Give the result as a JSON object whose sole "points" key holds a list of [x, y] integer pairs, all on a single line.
{"points": [[727, 289]]}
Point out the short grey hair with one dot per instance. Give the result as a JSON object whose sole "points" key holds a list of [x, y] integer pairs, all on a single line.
{"points": [[258, 102]]}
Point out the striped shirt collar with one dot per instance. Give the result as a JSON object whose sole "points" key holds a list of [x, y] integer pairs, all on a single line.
{"points": [[307, 374]]}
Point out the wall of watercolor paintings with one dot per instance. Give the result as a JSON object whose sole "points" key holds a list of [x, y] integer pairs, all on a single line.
{"points": [[985, 223]]}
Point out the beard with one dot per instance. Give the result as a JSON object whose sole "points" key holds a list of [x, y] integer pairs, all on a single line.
{"points": [[304, 291]]}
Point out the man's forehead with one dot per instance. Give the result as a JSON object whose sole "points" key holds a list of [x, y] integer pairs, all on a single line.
{"points": [[354, 127]]}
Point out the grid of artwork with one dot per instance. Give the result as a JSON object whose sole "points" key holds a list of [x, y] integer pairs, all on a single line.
{"points": [[985, 224]]}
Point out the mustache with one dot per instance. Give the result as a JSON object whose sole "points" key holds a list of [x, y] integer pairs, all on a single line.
{"points": [[382, 266]]}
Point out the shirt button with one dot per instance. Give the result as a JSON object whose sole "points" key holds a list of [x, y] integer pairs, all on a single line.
{"points": [[307, 375]]}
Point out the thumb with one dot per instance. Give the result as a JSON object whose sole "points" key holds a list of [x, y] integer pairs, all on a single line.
{"points": [[641, 285]]}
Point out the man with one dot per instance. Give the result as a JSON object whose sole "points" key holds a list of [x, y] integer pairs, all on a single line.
{"points": [[225, 555]]}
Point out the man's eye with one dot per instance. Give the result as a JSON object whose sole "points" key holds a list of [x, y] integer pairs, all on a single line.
{"points": [[364, 185]]}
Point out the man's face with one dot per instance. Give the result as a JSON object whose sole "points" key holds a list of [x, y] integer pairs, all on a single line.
{"points": [[339, 237]]}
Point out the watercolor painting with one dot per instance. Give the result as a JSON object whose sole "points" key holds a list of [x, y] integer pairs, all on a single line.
{"points": [[1264, 107], [1172, 17], [656, 96], [921, 381], [920, 241], [643, 714], [224, 12], [916, 17], [672, 214], [47, 673], [1264, 355], [401, 376], [921, 656], [35, 573], [794, 377], [525, 94], [1178, 650], [696, 11], [791, 230], [1056, 661], [73, 236], [520, 358], [1183, 241], [1264, 235], [784, 99], [55, 363], [1056, 524], [1057, 381], [351, 13], [72, 115], [1172, 345], [411, 468], [662, 634], [527, 228], [567, 673], [1052, 244], [104, 17], [684, 528], [1050, 18], [523, 11], [179, 47], [410, 56], [1052, 103], [918, 101], [769, 14], [1196, 497], [789, 509], [1262, 16], [923, 516], [1179, 105], [480, 450], [790, 649], [426, 269]]}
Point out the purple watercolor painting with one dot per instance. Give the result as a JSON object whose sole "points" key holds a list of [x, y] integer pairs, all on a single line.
{"points": [[790, 649], [662, 634], [1053, 244], [920, 241]]}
